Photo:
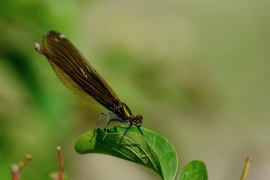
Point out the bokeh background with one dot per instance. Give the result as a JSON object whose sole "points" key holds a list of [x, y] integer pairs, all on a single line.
{"points": [[198, 71]]}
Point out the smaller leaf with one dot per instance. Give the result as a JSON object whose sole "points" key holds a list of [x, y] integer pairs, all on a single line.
{"points": [[195, 170], [152, 151]]}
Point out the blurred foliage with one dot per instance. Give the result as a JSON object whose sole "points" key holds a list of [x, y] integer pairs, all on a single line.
{"points": [[197, 71]]}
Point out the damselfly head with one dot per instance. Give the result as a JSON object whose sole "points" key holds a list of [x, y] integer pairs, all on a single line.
{"points": [[137, 120]]}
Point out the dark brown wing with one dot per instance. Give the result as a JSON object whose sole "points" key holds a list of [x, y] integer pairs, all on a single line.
{"points": [[75, 72]]}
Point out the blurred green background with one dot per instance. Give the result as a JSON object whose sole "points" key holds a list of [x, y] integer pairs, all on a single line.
{"points": [[198, 71]]}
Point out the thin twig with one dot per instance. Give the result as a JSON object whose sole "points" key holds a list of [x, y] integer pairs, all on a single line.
{"points": [[60, 163], [246, 168], [15, 168]]}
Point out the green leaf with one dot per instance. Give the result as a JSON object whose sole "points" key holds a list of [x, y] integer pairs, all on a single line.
{"points": [[152, 151], [195, 170]]}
